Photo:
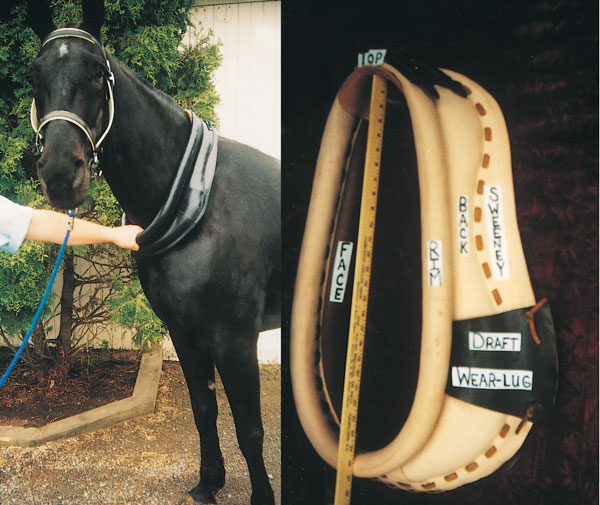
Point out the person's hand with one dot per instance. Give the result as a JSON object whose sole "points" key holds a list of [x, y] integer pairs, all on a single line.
{"points": [[124, 236]]}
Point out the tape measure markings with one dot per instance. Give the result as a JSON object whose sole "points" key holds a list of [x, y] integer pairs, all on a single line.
{"points": [[360, 293]]}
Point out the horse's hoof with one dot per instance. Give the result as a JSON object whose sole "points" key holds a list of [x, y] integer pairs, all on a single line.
{"points": [[266, 497], [202, 494], [188, 500]]}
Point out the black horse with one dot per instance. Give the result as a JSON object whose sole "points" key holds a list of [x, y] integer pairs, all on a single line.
{"points": [[219, 286]]}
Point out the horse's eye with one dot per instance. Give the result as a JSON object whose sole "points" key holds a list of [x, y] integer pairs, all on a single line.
{"points": [[99, 74]]}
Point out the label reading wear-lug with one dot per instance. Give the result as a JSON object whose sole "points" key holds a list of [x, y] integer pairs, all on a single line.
{"points": [[496, 231], [491, 378], [341, 267]]}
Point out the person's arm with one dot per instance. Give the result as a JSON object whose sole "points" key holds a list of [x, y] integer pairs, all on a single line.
{"points": [[50, 226]]}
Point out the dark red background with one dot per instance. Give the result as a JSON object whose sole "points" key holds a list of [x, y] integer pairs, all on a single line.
{"points": [[539, 60]]}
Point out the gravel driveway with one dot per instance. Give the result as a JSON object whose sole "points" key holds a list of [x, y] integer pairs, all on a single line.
{"points": [[150, 460]]}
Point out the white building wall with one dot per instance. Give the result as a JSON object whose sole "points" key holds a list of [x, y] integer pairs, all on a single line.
{"points": [[249, 79], [249, 85]]}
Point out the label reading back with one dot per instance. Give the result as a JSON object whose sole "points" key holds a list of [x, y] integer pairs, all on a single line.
{"points": [[341, 267], [463, 225]]}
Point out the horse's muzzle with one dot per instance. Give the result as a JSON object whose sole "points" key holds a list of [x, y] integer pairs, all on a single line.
{"points": [[64, 181]]}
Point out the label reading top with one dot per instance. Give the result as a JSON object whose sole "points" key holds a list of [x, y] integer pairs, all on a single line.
{"points": [[372, 57]]}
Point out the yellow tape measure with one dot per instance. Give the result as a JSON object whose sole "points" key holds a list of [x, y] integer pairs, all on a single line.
{"points": [[360, 293]]}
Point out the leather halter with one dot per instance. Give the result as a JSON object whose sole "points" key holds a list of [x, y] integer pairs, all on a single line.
{"points": [[72, 118]]}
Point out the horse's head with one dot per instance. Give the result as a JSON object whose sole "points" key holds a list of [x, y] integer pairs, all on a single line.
{"points": [[72, 102]]}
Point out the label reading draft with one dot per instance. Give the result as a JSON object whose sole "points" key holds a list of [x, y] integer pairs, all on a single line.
{"points": [[341, 267], [494, 341]]}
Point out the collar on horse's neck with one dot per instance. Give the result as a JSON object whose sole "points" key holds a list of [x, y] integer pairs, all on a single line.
{"points": [[463, 157], [188, 197]]}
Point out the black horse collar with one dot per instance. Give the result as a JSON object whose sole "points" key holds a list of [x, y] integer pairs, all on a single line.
{"points": [[188, 198], [72, 118]]}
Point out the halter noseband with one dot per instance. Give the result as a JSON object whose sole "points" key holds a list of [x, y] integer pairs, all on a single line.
{"points": [[64, 115]]}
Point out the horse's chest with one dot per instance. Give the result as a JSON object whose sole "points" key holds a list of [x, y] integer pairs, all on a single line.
{"points": [[176, 290]]}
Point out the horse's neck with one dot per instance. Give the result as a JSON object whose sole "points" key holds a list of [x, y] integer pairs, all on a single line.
{"points": [[144, 148]]}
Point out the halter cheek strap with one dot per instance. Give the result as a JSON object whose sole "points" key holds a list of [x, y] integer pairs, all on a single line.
{"points": [[480, 287], [72, 118]]}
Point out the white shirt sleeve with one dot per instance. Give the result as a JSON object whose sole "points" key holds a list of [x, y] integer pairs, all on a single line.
{"points": [[14, 223]]}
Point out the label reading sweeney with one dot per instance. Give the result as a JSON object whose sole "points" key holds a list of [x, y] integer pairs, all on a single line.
{"points": [[496, 231], [463, 225], [491, 378], [434, 262], [341, 267], [494, 341]]}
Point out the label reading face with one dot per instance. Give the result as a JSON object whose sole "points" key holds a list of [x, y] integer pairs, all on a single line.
{"points": [[491, 378], [341, 267], [494, 341], [496, 231], [434, 262]]}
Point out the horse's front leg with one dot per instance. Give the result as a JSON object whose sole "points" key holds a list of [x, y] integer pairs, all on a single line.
{"points": [[234, 350], [199, 370]]}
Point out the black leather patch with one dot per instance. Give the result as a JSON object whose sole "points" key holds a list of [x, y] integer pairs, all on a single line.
{"points": [[495, 363]]}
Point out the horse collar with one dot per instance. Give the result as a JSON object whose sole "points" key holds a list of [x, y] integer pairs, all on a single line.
{"points": [[188, 198], [72, 118], [473, 397]]}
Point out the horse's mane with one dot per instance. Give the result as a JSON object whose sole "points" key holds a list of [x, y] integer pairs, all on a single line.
{"points": [[159, 94]]}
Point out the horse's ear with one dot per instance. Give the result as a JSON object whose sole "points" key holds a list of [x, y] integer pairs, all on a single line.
{"points": [[93, 16], [39, 17]]}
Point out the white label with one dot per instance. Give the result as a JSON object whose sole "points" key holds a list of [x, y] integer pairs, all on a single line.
{"points": [[463, 225], [494, 341], [434, 262], [490, 378], [494, 216], [341, 266], [372, 57]]}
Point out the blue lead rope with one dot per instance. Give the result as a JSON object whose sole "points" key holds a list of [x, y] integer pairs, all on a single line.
{"points": [[43, 302]]}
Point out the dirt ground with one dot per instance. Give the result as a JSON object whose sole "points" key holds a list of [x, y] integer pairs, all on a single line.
{"points": [[31, 399], [146, 461]]}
